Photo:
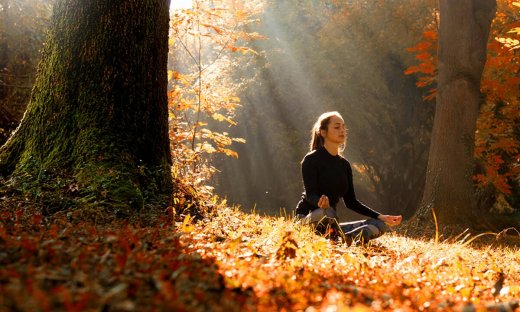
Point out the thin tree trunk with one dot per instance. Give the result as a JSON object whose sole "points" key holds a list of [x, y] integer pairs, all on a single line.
{"points": [[463, 36], [95, 130]]}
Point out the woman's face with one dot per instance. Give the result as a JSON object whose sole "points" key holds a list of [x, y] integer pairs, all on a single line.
{"points": [[336, 131]]}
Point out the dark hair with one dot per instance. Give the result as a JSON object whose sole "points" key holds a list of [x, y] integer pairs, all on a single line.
{"points": [[317, 140]]}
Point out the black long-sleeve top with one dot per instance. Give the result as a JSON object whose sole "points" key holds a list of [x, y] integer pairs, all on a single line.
{"points": [[325, 174]]}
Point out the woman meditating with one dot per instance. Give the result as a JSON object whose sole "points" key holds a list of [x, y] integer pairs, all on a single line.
{"points": [[327, 177]]}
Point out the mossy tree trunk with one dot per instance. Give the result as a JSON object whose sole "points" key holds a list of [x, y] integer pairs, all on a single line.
{"points": [[96, 129], [463, 37]]}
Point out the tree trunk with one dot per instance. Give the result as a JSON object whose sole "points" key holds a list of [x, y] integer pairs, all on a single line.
{"points": [[463, 37], [95, 132]]}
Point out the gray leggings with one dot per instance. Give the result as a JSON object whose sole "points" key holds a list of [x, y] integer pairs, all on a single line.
{"points": [[362, 230]]}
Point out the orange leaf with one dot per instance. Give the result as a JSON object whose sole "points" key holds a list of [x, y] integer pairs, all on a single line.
{"points": [[431, 35]]}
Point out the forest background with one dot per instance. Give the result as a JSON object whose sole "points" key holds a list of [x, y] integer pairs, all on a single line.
{"points": [[91, 221], [248, 81]]}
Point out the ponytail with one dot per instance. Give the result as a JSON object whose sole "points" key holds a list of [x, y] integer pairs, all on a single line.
{"points": [[317, 140]]}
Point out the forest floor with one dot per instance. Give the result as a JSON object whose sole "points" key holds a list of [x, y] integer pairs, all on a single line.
{"points": [[233, 261]]}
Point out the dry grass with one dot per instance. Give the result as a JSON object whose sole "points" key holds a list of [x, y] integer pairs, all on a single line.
{"points": [[288, 267], [241, 262]]}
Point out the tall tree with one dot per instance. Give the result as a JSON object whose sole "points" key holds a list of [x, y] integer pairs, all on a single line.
{"points": [[463, 35], [96, 128]]}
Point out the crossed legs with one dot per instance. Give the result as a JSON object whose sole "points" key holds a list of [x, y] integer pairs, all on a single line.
{"points": [[324, 219]]}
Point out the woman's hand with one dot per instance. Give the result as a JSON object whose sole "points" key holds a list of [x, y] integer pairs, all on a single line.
{"points": [[323, 203], [390, 220]]}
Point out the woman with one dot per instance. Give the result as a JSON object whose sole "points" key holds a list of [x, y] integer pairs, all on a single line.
{"points": [[327, 176]]}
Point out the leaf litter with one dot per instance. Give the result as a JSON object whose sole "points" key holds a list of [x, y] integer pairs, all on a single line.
{"points": [[233, 261]]}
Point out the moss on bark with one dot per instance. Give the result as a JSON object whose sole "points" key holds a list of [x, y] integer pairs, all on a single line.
{"points": [[95, 130]]}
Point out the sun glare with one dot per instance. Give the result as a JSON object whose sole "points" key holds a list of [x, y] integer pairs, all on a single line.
{"points": [[181, 4]]}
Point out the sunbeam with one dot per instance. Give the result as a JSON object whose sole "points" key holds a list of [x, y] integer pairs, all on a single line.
{"points": [[181, 4]]}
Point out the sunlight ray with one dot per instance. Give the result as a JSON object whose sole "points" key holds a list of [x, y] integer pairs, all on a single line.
{"points": [[181, 4]]}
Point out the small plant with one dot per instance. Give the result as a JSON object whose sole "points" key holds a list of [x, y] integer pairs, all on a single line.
{"points": [[202, 96]]}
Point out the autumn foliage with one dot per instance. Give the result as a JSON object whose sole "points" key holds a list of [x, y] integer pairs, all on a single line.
{"points": [[497, 145], [64, 265], [239, 262], [497, 140], [200, 255], [207, 41], [426, 54]]}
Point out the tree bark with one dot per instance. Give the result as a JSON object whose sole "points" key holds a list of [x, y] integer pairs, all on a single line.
{"points": [[463, 37], [95, 131]]}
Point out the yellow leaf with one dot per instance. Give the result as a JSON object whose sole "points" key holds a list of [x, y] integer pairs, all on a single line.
{"points": [[230, 153], [208, 148], [515, 30], [466, 292], [218, 117], [239, 140], [216, 29], [187, 227]]}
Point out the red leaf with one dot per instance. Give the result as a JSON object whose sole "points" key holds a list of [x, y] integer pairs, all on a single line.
{"points": [[37, 219]]}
